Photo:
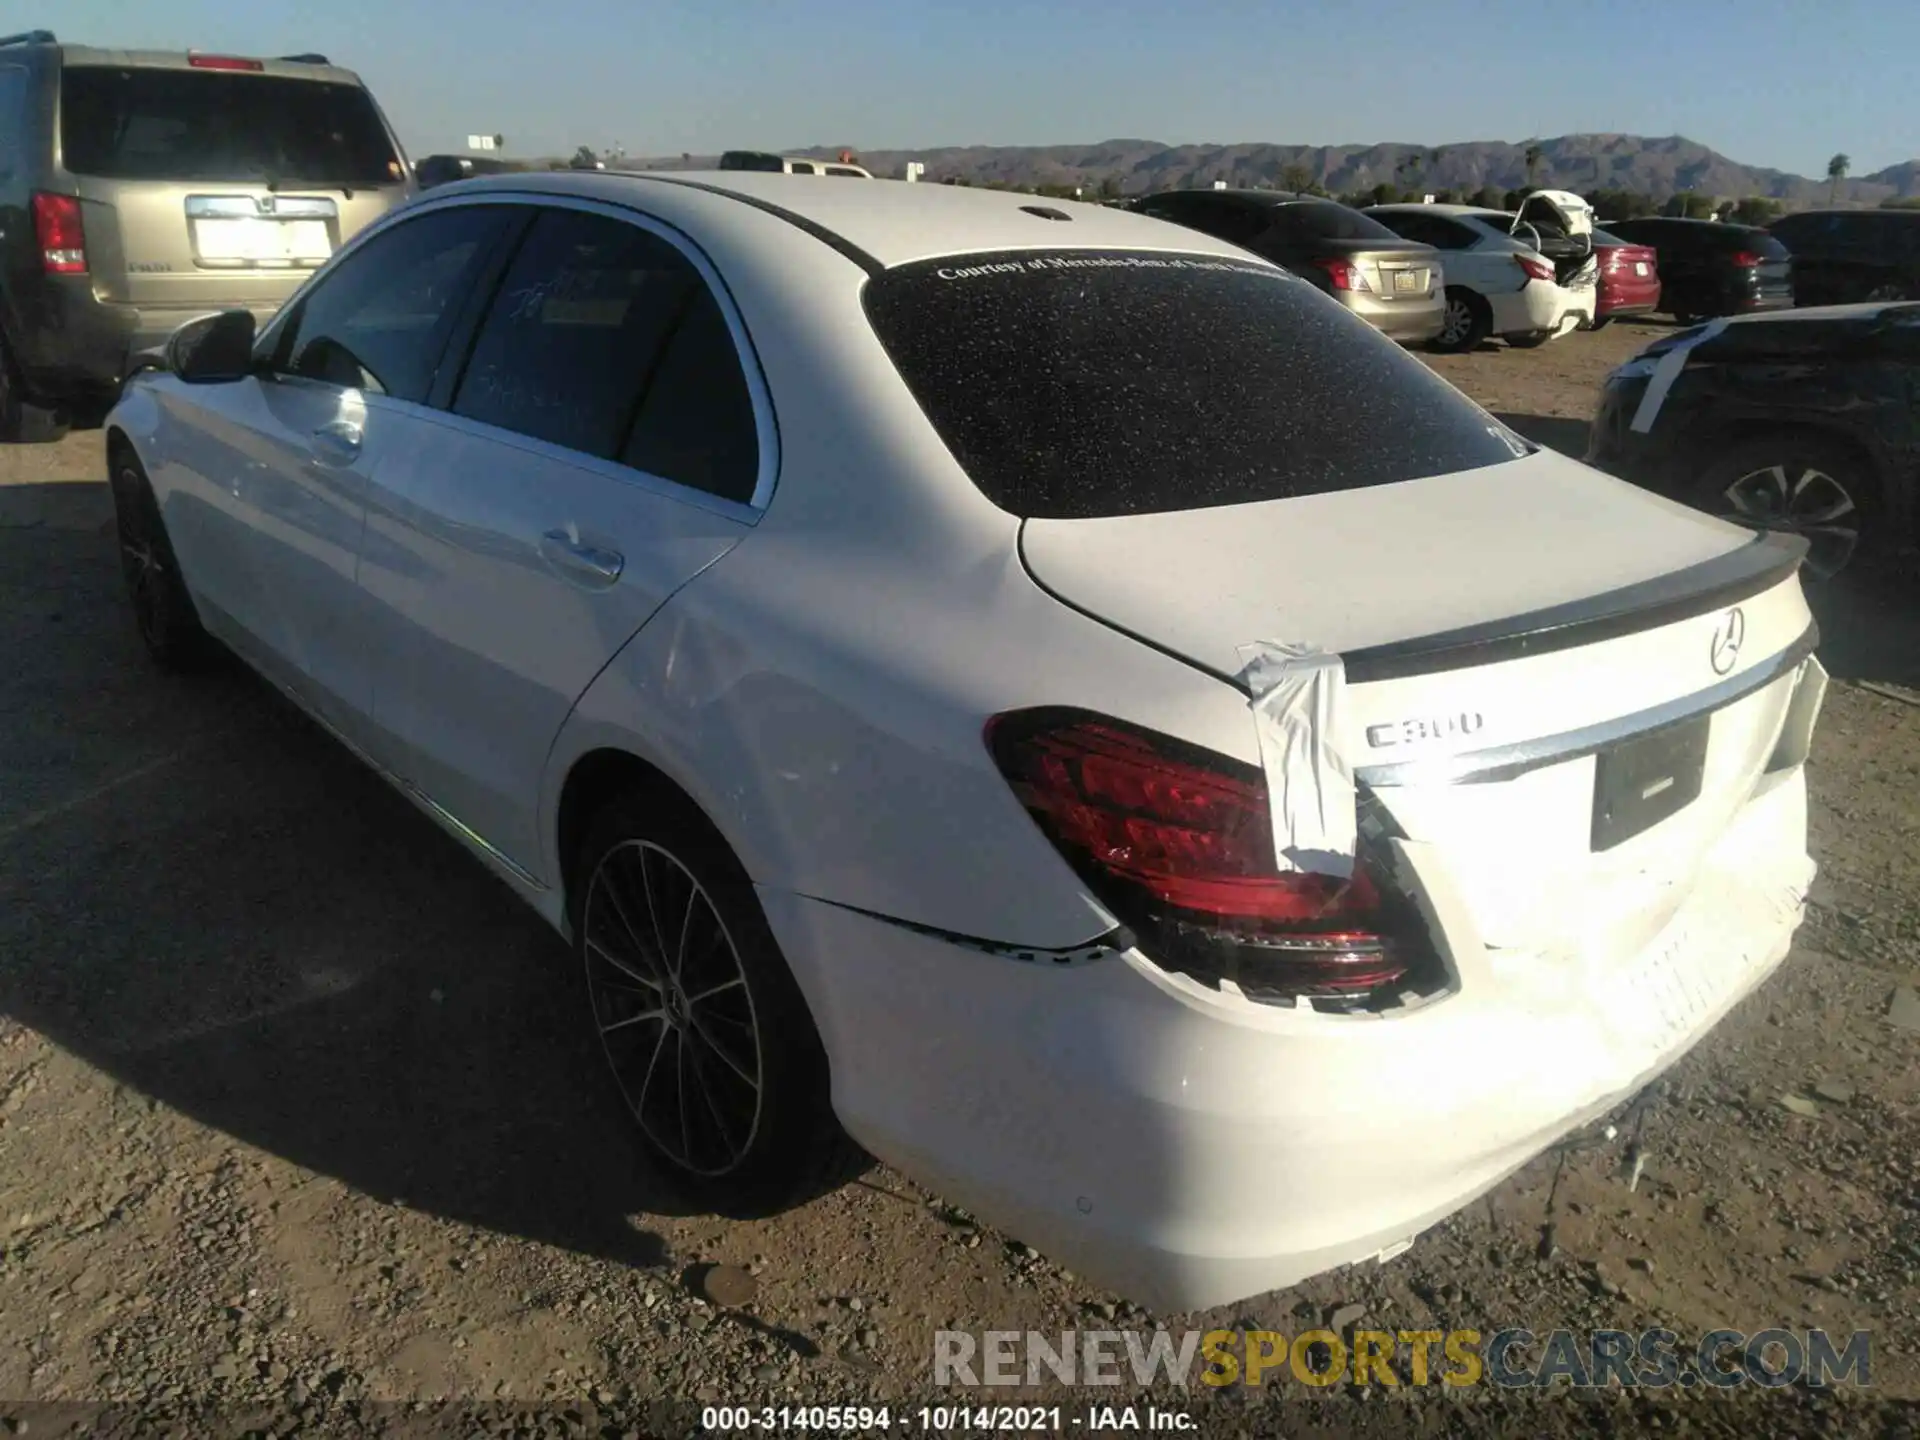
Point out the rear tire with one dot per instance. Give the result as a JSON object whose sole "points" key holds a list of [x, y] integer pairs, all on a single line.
{"points": [[1804, 484], [1464, 323], [22, 422], [169, 625], [712, 1048], [1531, 341]]}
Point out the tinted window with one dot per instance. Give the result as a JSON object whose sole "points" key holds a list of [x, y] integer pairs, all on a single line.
{"points": [[220, 125], [696, 424], [1428, 230], [380, 320], [1231, 220], [800, 167], [844, 170], [13, 119], [1079, 384], [1323, 220], [590, 312]]}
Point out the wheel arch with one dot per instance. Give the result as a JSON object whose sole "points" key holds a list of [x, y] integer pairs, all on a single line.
{"points": [[594, 778]]}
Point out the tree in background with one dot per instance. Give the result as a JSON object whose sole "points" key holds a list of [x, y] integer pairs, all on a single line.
{"points": [[1837, 169], [1109, 187], [1447, 197], [1490, 197], [1295, 177], [1409, 169], [1623, 204], [1910, 203], [1513, 199], [1688, 206], [1754, 210], [1534, 155]]}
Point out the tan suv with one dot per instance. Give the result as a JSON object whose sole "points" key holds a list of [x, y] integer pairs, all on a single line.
{"points": [[160, 187]]}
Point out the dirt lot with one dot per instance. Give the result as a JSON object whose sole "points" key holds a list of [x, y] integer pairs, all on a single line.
{"points": [[297, 1114]]}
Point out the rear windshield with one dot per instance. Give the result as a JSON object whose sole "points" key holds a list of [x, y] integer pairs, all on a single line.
{"points": [[220, 125], [1076, 384], [1323, 220]]}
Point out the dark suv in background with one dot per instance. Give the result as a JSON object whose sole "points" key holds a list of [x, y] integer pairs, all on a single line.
{"points": [[1709, 269], [1395, 284], [140, 190], [1841, 257]]}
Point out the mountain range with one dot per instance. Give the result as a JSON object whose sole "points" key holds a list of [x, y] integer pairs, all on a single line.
{"points": [[1656, 166]]}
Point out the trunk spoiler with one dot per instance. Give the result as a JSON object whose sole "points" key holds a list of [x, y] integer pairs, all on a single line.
{"points": [[1760, 564]]}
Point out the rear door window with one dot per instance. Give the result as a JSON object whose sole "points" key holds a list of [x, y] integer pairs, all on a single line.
{"points": [[221, 126], [1075, 384], [380, 320], [605, 339]]}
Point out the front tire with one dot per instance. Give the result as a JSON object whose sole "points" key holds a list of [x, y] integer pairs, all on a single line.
{"points": [[1805, 485], [1464, 323], [713, 1051], [162, 609]]}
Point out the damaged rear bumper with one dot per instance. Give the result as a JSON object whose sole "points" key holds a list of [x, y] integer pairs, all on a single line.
{"points": [[1191, 1149]]}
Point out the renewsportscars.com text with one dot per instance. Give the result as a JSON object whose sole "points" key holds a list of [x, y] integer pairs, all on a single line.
{"points": [[1512, 1358]]}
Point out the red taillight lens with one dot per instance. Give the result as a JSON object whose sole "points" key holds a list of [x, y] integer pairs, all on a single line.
{"points": [[1180, 845], [56, 227], [1344, 276], [1536, 269], [223, 62], [1747, 259]]}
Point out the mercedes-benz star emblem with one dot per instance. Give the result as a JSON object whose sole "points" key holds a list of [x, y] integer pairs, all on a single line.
{"points": [[1728, 636]]}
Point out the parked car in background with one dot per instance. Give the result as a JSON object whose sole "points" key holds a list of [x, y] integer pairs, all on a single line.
{"points": [[838, 611], [1800, 421], [1841, 256], [1393, 285], [1497, 283], [764, 161], [1629, 276], [445, 169], [1708, 268], [152, 188]]}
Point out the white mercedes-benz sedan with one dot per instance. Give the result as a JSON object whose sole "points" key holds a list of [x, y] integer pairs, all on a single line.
{"points": [[1034, 689]]}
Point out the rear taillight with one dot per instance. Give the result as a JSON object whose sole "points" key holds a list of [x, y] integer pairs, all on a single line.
{"points": [[1344, 275], [1747, 259], [224, 62], [56, 228], [1178, 843], [1536, 269]]}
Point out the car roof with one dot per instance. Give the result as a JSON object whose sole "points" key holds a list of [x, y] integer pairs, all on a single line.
{"points": [[1258, 197], [80, 55], [889, 222], [1457, 212]]}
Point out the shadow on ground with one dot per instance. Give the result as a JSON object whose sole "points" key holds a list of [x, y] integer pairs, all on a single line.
{"points": [[1869, 617], [206, 898]]}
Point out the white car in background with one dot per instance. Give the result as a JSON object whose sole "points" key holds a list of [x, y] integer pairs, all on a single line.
{"points": [[956, 681], [1527, 278]]}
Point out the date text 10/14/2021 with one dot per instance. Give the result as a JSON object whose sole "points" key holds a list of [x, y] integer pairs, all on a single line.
{"points": [[943, 1419]]}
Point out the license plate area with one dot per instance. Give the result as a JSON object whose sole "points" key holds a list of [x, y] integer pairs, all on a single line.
{"points": [[1639, 267], [1408, 282], [270, 232], [1642, 781]]}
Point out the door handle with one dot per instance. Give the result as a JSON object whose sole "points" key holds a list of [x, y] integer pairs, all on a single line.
{"points": [[337, 442], [572, 556]]}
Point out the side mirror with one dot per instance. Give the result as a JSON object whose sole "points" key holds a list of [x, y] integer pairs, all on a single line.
{"points": [[213, 350]]}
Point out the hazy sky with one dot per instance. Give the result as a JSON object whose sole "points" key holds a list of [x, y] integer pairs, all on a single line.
{"points": [[1784, 83]]}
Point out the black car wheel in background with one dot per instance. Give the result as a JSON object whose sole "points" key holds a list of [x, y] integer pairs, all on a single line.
{"points": [[1803, 423], [1811, 484]]}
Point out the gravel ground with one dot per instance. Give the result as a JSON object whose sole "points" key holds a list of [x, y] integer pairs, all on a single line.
{"points": [[300, 1132]]}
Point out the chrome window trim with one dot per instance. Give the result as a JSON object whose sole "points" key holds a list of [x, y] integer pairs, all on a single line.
{"points": [[1505, 762], [765, 421]]}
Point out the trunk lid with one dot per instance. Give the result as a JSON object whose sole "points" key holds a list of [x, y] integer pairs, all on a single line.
{"points": [[1406, 273], [1530, 649]]}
